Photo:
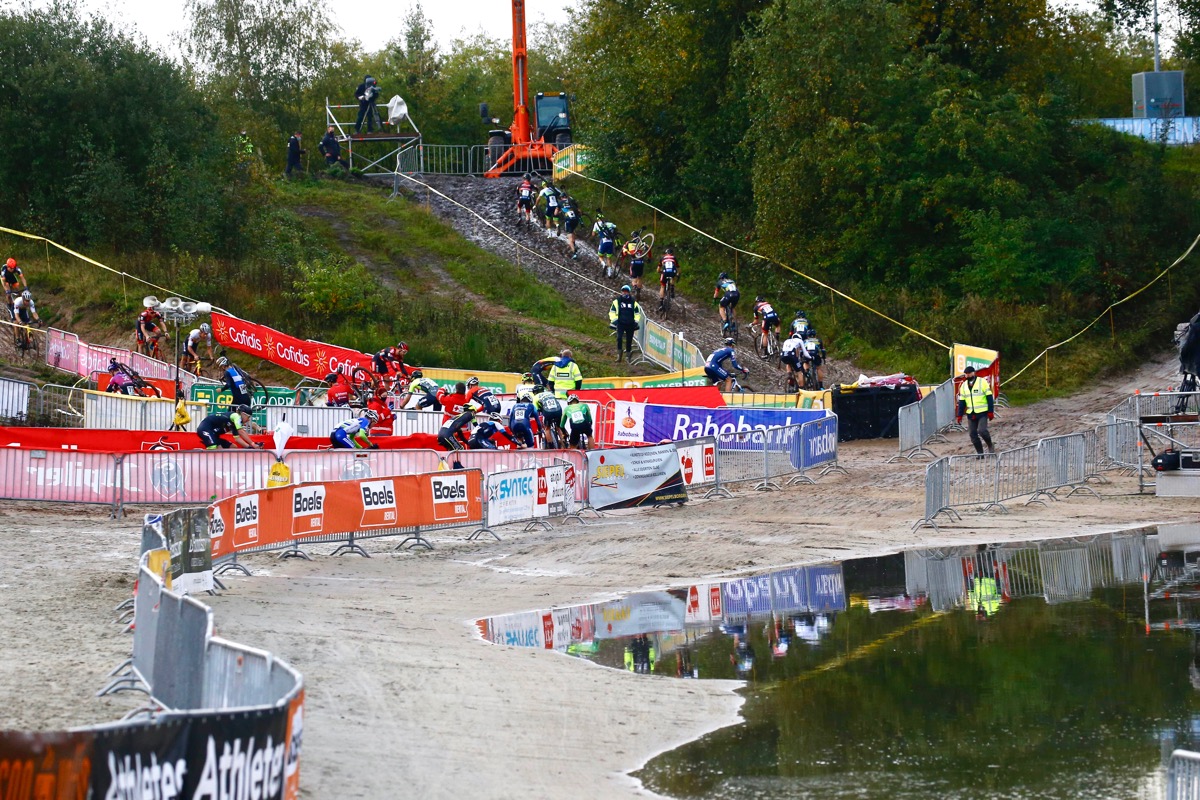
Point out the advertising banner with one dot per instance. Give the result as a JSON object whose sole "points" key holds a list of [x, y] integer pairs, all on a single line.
{"points": [[817, 444], [307, 358], [64, 351], [46, 766], [826, 589], [964, 355], [278, 517], [704, 603], [186, 531], [633, 477], [518, 630], [512, 496], [677, 422], [645, 612], [799, 589], [219, 396], [698, 461]]}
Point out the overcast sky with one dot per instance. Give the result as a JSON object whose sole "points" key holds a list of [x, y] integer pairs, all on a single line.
{"points": [[373, 24]]}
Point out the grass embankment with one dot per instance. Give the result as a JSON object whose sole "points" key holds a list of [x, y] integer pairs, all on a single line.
{"points": [[1019, 332], [342, 264]]}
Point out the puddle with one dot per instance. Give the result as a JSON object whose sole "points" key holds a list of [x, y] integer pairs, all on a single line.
{"points": [[1038, 670]]}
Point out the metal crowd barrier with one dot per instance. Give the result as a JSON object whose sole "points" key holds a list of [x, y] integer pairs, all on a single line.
{"points": [[924, 421], [767, 455], [1183, 776], [988, 480], [321, 420]]}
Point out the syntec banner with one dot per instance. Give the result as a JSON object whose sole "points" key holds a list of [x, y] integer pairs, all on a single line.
{"points": [[305, 357], [635, 476], [278, 517], [526, 494]]}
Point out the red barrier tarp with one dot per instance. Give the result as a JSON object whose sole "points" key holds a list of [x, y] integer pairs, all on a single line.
{"points": [[112, 441], [696, 396]]}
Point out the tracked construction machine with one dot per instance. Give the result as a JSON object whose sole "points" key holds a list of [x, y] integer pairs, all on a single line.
{"points": [[530, 143]]}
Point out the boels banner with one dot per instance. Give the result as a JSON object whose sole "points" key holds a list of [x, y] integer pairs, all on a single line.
{"points": [[304, 357], [281, 516]]}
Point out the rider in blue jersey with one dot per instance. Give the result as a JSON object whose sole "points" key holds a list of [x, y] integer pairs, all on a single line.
{"points": [[353, 434], [489, 426], [522, 418], [714, 367], [236, 382], [482, 396]]}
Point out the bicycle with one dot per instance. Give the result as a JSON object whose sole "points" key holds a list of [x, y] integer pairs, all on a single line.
{"points": [[810, 376], [150, 347], [771, 352], [364, 384], [551, 437], [791, 385], [668, 297], [141, 387], [729, 328], [27, 344]]}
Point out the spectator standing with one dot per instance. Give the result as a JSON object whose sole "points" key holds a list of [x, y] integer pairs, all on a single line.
{"points": [[625, 316], [976, 403], [294, 152]]}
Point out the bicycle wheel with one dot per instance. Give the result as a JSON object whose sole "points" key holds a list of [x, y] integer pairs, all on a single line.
{"points": [[773, 351], [759, 350], [810, 377], [645, 245]]}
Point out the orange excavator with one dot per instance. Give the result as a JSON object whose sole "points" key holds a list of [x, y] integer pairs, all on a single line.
{"points": [[531, 142]]}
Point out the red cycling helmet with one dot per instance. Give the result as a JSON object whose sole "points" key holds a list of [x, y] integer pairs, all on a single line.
{"points": [[12, 262], [403, 348]]}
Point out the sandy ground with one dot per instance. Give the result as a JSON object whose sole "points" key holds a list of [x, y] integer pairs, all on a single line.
{"points": [[405, 699]]}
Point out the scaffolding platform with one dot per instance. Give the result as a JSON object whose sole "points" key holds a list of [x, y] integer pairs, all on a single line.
{"points": [[375, 153]]}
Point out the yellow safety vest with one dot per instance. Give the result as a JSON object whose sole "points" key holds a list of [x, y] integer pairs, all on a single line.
{"points": [[975, 394]]}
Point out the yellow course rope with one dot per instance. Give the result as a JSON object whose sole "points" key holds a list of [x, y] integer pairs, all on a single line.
{"points": [[94, 262], [535, 253], [1100, 316], [769, 260]]}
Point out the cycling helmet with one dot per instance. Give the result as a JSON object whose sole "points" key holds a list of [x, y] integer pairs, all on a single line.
{"points": [[496, 417], [759, 299], [205, 329], [243, 409], [416, 373], [723, 276], [729, 341], [626, 288], [113, 366], [472, 382], [572, 398], [28, 295], [12, 262], [801, 314], [524, 394], [371, 414], [222, 362], [538, 389], [402, 347], [669, 251]]}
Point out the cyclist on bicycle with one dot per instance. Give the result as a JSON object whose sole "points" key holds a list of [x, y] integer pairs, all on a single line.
{"points": [[148, 328], [800, 325], [424, 390], [551, 412], [191, 352], [637, 264], [579, 416], [14, 280], [355, 433], [448, 435], [714, 367], [482, 396], [390, 357], [553, 202], [606, 245], [525, 199], [213, 428], [489, 425], [668, 270], [339, 390], [24, 311], [793, 355], [816, 352], [570, 218], [522, 419], [727, 291], [768, 319], [539, 369]]}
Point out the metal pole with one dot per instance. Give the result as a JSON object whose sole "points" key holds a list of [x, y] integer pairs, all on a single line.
{"points": [[1157, 61]]}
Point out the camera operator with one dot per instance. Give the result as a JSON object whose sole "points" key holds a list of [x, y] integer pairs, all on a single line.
{"points": [[367, 93]]}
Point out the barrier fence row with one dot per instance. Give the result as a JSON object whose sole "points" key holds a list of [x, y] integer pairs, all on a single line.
{"points": [[766, 456], [924, 421], [988, 480], [66, 352]]}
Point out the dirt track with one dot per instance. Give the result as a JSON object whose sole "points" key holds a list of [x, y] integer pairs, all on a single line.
{"points": [[581, 279], [404, 699]]}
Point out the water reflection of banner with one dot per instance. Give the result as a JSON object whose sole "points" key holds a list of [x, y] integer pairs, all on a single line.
{"points": [[800, 589], [647, 612], [632, 477]]}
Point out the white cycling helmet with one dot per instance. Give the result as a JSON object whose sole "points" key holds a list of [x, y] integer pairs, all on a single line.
{"points": [[371, 414], [28, 295], [204, 328]]}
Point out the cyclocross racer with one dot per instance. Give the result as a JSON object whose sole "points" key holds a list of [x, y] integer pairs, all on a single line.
{"points": [[727, 291], [714, 367], [355, 433]]}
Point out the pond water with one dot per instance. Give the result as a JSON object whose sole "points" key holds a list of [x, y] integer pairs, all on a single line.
{"points": [[1040, 670]]}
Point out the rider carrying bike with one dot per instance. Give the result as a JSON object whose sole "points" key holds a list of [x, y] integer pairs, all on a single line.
{"points": [[119, 379], [191, 351], [606, 245], [637, 254], [727, 291], [768, 319], [448, 436], [237, 383], [551, 412], [668, 270], [355, 433], [339, 390], [714, 367], [553, 201], [525, 198], [213, 428], [523, 418], [149, 324], [570, 218], [579, 417]]}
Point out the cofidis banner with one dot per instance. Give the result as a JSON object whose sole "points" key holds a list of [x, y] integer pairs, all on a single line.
{"points": [[636, 476]]}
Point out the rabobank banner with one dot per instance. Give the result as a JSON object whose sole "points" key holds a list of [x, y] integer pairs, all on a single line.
{"points": [[796, 590], [817, 443], [638, 422]]}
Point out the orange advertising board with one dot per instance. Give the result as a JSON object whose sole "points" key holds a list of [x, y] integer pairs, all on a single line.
{"points": [[278, 517]]}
